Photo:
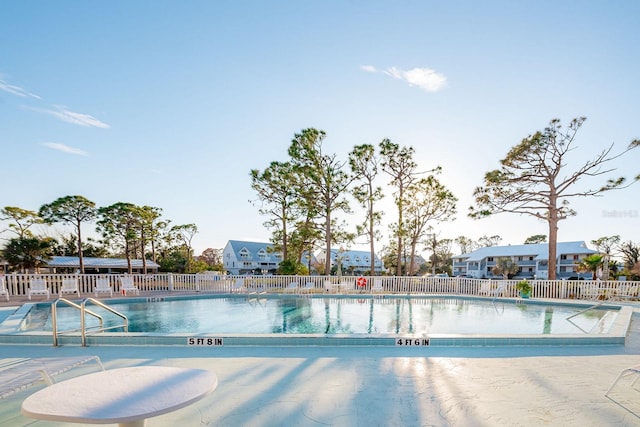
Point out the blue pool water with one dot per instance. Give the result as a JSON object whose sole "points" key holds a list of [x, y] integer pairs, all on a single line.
{"points": [[5, 312], [317, 315]]}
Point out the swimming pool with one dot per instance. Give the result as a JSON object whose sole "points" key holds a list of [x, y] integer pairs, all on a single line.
{"points": [[389, 316]]}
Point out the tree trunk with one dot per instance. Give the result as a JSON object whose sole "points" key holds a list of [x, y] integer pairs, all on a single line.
{"points": [[412, 258], [400, 230], [553, 244], [327, 236], [373, 255], [80, 257], [371, 236], [153, 250], [285, 239], [128, 255]]}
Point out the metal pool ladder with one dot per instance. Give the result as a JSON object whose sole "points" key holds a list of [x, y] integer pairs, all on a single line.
{"points": [[83, 312]]}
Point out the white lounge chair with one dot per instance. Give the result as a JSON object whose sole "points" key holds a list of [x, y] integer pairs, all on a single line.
{"points": [[377, 286], [126, 286], [328, 286], [591, 291], [69, 286], [103, 287], [627, 292], [3, 288], [500, 289], [634, 370], [38, 287], [21, 374], [344, 287], [293, 287], [485, 288], [238, 286], [308, 287]]}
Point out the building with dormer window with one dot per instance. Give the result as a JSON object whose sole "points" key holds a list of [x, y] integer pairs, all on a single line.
{"points": [[532, 260], [241, 257], [353, 262]]}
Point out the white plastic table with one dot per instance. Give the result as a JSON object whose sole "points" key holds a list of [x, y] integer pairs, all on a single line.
{"points": [[127, 396]]}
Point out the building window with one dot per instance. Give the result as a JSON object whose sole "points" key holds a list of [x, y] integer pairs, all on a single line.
{"points": [[576, 257], [490, 259], [264, 256], [563, 257]]}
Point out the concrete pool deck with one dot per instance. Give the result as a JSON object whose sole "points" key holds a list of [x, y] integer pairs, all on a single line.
{"points": [[347, 386]]}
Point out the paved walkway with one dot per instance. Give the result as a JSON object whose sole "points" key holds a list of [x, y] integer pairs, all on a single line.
{"points": [[424, 386]]}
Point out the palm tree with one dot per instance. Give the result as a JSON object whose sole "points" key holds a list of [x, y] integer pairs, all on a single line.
{"points": [[505, 267], [28, 253], [591, 263]]}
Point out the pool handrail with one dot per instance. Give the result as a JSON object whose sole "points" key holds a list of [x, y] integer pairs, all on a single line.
{"points": [[83, 310], [54, 318]]}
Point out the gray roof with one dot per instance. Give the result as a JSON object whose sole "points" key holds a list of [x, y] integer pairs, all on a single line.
{"points": [[538, 251], [91, 262], [254, 248]]}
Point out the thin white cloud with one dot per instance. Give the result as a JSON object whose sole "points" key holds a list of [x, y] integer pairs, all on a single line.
{"points": [[65, 115], [369, 68], [425, 78], [16, 90], [65, 148]]}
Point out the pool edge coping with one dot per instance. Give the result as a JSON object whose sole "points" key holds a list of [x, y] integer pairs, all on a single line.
{"points": [[616, 335]]}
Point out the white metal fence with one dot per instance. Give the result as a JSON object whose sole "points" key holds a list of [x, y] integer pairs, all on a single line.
{"points": [[18, 285]]}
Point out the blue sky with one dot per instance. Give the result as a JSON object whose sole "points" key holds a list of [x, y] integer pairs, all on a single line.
{"points": [[171, 104]]}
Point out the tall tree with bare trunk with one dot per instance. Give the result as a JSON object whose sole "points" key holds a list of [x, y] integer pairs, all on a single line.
{"points": [[364, 165], [322, 181], [535, 180], [74, 210]]}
